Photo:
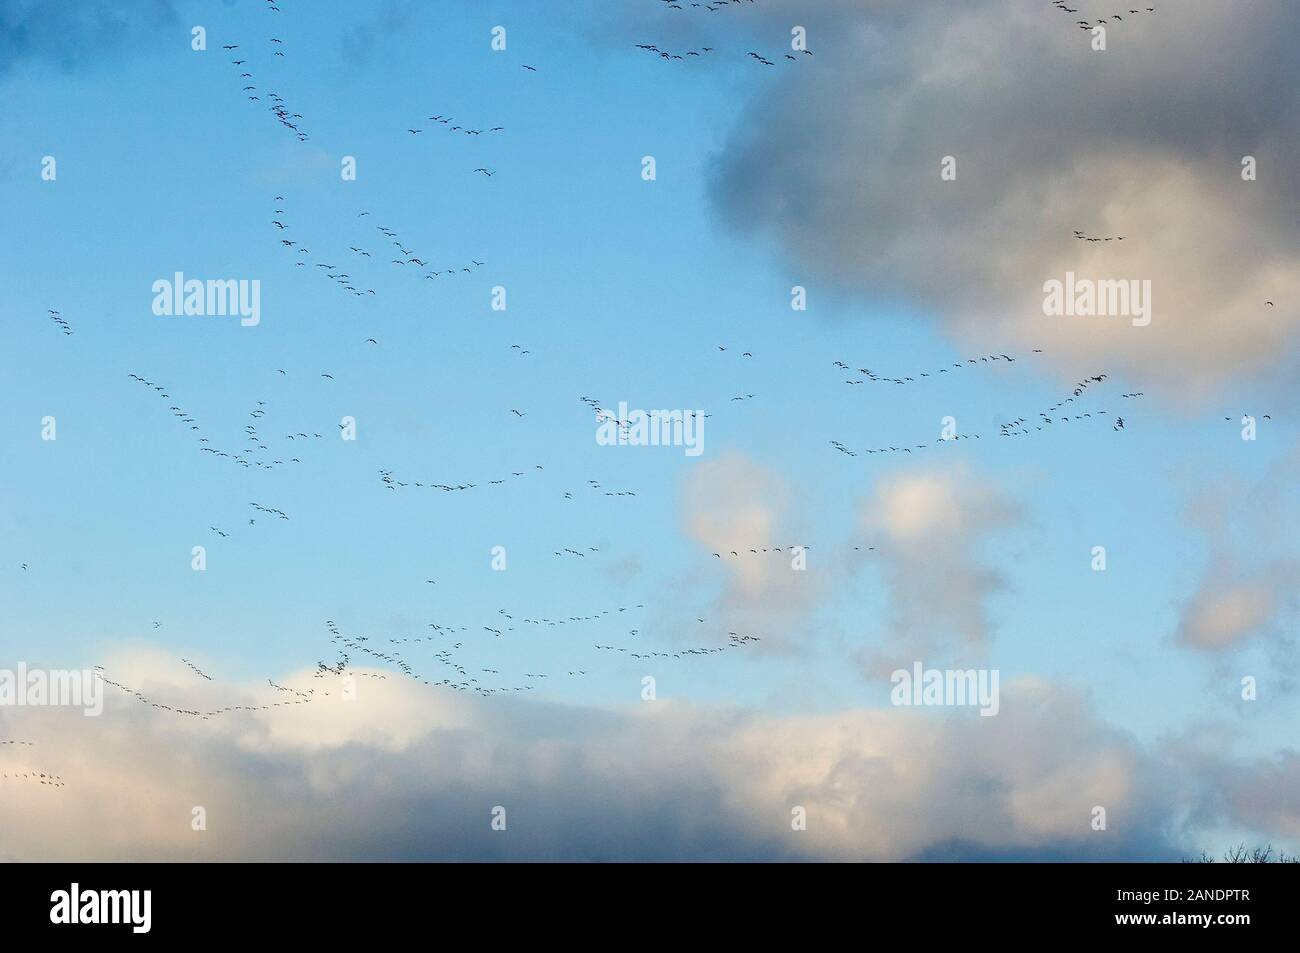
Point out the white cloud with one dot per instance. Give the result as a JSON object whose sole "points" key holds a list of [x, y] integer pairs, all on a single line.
{"points": [[735, 505], [413, 772], [1224, 612], [1250, 587], [930, 528]]}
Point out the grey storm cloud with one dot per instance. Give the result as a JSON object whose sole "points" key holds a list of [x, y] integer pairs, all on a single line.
{"points": [[840, 168]]}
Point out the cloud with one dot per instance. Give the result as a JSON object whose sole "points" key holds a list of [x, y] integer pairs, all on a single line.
{"points": [[930, 528], [1249, 587], [72, 37], [1225, 610], [407, 772], [366, 41], [1264, 795], [733, 504], [838, 162]]}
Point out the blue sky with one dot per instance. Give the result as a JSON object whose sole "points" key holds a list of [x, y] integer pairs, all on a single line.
{"points": [[621, 290]]}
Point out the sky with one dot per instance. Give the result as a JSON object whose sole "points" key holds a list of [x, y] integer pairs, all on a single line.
{"points": [[1121, 688]]}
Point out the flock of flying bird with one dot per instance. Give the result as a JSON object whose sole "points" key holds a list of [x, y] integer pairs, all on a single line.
{"points": [[246, 457], [713, 6], [63, 325], [36, 777], [457, 670], [654, 50], [869, 376], [405, 257], [1102, 21], [274, 101], [446, 123]]}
